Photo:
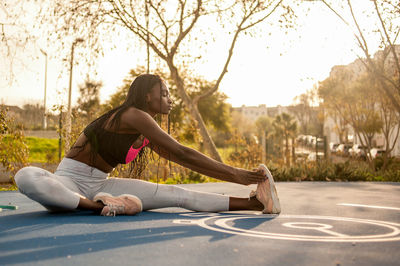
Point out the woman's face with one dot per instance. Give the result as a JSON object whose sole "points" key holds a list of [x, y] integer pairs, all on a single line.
{"points": [[158, 100]]}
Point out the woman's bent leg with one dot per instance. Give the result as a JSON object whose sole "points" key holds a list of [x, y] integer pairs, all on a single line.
{"points": [[155, 196], [46, 188]]}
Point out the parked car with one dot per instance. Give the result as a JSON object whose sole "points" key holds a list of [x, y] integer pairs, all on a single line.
{"points": [[357, 151], [312, 157], [309, 140], [301, 139], [333, 146], [343, 149], [376, 152]]}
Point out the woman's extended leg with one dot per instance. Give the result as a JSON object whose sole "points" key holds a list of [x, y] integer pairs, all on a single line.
{"points": [[155, 196]]}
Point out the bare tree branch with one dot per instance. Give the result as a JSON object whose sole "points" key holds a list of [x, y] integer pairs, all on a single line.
{"points": [[182, 34], [364, 46], [239, 29], [392, 48]]}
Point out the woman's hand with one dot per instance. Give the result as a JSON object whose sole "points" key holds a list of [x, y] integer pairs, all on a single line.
{"points": [[245, 177]]}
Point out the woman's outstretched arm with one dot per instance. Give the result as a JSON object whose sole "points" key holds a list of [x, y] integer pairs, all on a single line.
{"points": [[240, 176], [168, 147]]}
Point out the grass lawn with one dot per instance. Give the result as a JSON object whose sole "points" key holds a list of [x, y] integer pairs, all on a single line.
{"points": [[42, 150]]}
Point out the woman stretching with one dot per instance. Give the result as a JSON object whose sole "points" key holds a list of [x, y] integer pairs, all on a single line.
{"points": [[119, 137]]}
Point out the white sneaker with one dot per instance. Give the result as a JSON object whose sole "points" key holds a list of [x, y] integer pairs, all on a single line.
{"points": [[122, 205], [266, 193]]}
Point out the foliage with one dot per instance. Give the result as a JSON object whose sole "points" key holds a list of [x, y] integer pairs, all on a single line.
{"points": [[264, 123], [356, 99], [214, 110], [285, 127], [16, 36], [89, 100], [306, 110], [8, 187], [78, 125], [171, 34], [13, 149], [348, 171], [246, 153], [377, 23], [243, 126]]}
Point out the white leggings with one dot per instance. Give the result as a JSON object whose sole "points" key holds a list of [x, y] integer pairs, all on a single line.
{"points": [[73, 180]]}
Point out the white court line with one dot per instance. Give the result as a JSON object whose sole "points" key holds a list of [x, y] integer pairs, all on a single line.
{"points": [[368, 206]]}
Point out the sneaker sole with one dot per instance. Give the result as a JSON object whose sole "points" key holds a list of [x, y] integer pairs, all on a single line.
{"points": [[276, 206]]}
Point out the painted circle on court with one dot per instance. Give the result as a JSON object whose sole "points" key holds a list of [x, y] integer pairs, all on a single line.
{"points": [[310, 227]]}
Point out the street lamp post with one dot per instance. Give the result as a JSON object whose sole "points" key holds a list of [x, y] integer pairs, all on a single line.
{"points": [[68, 118], [45, 90]]}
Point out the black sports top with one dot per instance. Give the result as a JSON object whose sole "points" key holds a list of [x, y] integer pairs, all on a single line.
{"points": [[114, 148]]}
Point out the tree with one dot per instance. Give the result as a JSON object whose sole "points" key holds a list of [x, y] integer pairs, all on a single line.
{"points": [[167, 27], [354, 98], [307, 110], [363, 113], [16, 36], [214, 110], [89, 101], [383, 15], [14, 152], [390, 124], [243, 126], [264, 126], [285, 126], [304, 111], [341, 126]]}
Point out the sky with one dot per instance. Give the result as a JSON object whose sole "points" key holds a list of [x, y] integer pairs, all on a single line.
{"points": [[269, 70]]}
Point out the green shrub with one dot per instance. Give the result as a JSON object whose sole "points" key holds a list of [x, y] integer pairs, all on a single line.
{"points": [[14, 152], [347, 171]]}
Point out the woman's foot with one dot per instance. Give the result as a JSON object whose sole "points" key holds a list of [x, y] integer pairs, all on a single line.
{"points": [[122, 205], [266, 193]]}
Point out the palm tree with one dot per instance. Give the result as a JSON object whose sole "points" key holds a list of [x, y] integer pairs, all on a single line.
{"points": [[285, 127], [264, 125]]}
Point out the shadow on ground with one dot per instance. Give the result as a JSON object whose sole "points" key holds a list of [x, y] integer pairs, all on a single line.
{"points": [[22, 235]]}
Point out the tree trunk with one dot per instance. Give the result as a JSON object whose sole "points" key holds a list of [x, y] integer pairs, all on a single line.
{"points": [[264, 152], [293, 150], [194, 112], [287, 151]]}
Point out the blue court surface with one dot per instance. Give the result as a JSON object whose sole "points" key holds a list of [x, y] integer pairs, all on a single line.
{"points": [[320, 224]]}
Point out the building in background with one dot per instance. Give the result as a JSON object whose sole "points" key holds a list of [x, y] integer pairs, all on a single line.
{"points": [[357, 68], [254, 112]]}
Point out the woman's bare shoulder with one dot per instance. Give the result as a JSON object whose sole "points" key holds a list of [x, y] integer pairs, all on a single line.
{"points": [[132, 118], [134, 113]]}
